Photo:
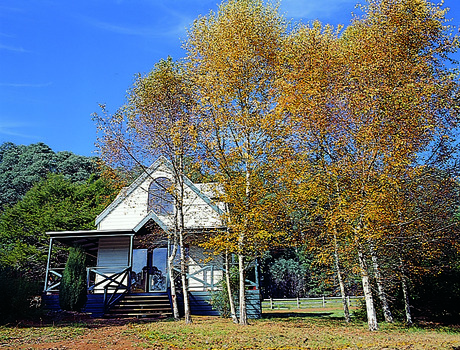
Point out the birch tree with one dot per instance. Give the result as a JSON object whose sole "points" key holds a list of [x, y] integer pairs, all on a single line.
{"points": [[157, 120], [370, 103], [313, 75], [420, 227], [233, 60]]}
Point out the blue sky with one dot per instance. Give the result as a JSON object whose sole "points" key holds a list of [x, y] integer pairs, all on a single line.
{"points": [[59, 58]]}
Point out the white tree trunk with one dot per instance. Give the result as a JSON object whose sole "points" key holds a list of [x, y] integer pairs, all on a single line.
{"points": [[346, 312], [370, 309], [380, 285], [241, 267], [181, 229], [405, 293], [242, 273], [183, 273], [184, 262], [229, 291], [171, 257]]}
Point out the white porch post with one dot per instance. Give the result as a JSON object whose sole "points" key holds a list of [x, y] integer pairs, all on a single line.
{"points": [[130, 256], [256, 273], [130, 259], [168, 281], [48, 264]]}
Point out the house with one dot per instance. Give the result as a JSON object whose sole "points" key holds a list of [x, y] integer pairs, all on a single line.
{"points": [[128, 273]]}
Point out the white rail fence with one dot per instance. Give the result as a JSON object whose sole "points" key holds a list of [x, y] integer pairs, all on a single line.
{"points": [[305, 303]]}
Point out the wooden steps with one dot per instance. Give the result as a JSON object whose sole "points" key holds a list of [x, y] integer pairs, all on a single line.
{"points": [[140, 305]]}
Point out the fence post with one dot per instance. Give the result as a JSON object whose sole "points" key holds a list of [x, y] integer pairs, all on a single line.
{"points": [[298, 303], [324, 301], [271, 303]]}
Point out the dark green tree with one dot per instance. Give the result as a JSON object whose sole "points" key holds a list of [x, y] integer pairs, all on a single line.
{"points": [[21, 167], [72, 292], [54, 204], [290, 276], [74, 167]]}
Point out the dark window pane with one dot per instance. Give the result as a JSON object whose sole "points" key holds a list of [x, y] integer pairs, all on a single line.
{"points": [[161, 200]]}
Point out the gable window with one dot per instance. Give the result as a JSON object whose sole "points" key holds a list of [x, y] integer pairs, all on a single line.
{"points": [[161, 201]]}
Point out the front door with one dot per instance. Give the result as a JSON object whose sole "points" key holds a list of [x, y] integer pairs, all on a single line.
{"points": [[158, 272], [138, 280]]}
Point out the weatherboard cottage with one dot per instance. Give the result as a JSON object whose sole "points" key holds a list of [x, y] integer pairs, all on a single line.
{"points": [[127, 253]]}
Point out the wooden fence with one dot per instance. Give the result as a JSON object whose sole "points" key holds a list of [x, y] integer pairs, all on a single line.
{"points": [[305, 303]]}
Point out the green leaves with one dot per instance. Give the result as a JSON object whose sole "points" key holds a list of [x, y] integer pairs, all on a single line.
{"points": [[54, 204], [23, 166]]}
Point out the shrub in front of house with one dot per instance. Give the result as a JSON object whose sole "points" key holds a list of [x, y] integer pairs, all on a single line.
{"points": [[72, 292]]}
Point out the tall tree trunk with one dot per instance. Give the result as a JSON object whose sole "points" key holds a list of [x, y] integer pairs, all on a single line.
{"points": [[242, 274], [343, 294], [370, 309], [183, 273], [402, 269], [405, 293], [241, 256], [346, 312], [171, 257], [183, 256], [380, 284], [229, 290]]}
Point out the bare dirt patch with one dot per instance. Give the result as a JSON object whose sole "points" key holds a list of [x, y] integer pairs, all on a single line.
{"points": [[76, 333], [294, 330]]}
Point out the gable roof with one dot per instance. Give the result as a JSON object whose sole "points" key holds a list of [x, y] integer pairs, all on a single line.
{"points": [[151, 216], [124, 193]]}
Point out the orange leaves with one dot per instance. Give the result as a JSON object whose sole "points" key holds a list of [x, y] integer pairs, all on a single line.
{"points": [[233, 61], [334, 123], [374, 110]]}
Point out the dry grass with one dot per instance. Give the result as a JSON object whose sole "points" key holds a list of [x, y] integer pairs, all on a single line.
{"points": [[311, 332], [279, 330]]}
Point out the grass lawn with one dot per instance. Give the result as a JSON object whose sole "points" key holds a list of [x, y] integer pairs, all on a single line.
{"points": [[291, 329]]}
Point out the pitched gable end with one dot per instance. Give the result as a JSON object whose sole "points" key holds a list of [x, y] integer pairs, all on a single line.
{"points": [[128, 210], [127, 191]]}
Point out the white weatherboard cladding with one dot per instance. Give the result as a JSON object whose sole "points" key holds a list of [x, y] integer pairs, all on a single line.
{"points": [[210, 189], [198, 213], [132, 207], [133, 204], [112, 257], [204, 269], [113, 251]]}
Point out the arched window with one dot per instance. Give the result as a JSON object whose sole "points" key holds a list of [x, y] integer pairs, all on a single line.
{"points": [[161, 201]]}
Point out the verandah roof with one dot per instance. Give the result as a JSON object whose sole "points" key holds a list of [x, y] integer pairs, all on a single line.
{"points": [[87, 239]]}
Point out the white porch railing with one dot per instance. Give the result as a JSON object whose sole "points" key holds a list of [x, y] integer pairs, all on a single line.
{"points": [[111, 278], [111, 281], [208, 277], [53, 280]]}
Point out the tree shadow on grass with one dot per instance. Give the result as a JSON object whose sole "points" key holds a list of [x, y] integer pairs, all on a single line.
{"points": [[79, 320]]}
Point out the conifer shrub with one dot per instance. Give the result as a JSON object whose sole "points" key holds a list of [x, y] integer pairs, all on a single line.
{"points": [[72, 292]]}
